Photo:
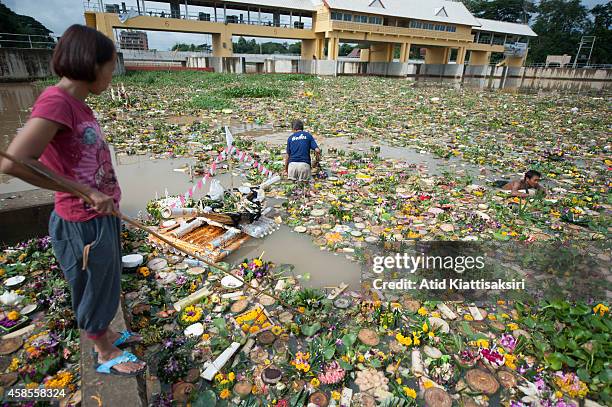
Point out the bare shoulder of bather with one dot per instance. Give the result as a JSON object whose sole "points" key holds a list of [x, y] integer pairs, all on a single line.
{"points": [[515, 187]]}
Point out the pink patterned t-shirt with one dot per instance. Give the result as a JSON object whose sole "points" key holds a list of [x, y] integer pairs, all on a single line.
{"points": [[78, 152]]}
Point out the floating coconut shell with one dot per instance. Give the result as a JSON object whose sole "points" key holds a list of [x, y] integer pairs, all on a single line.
{"points": [[368, 337], [192, 376], [243, 388], [182, 391], [258, 355], [266, 300], [438, 324], [285, 317], [481, 381], [469, 402], [411, 306], [266, 338], [343, 302], [319, 399], [436, 397], [432, 352], [271, 375], [298, 385], [141, 308], [239, 306], [9, 346], [498, 326], [8, 379], [280, 346], [507, 379], [367, 400]]}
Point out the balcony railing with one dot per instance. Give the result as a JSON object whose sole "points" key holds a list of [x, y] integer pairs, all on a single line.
{"points": [[253, 19], [10, 40], [392, 30]]}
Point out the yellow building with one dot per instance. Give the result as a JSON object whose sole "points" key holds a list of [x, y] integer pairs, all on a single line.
{"points": [[445, 29]]}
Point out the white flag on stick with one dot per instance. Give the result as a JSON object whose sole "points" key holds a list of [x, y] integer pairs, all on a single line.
{"points": [[228, 137]]}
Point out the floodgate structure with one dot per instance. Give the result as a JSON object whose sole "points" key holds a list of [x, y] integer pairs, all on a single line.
{"points": [[383, 29]]}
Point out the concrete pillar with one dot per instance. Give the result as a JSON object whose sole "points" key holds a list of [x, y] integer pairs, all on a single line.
{"points": [[479, 57], [309, 49], [461, 56], [436, 56], [333, 48], [405, 52], [515, 61], [364, 55], [104, 25], [222, 45], [381, 52]]}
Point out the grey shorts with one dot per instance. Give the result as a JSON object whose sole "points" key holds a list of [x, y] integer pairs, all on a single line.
{"points": [[95, 289], [299, 171]]}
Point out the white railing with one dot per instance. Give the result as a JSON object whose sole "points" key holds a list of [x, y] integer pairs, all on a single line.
{"points": [[101, 7], [11, 40]]}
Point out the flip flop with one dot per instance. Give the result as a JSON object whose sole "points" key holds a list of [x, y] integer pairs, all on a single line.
{"points": [[123, 339], [120, 342], [107, 367]]}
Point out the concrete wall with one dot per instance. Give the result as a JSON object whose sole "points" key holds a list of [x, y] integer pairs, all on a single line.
{"points": [[20, 64], [476, 75], [225, 65], [24, 64]]}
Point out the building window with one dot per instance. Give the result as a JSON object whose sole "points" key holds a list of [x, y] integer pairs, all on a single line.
{"points": [[348, 17], [336, 16], [416, 24], [375, 20], [451, 28], [361, 19]]}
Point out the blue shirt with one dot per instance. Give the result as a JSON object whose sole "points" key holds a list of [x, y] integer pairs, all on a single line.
{"points": [[299, 145]]}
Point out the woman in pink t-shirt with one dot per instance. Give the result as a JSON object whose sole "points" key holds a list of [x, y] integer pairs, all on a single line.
{"points": [[64, 137]]}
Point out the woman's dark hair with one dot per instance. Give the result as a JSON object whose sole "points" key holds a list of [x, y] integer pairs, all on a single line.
{"points": [[78, 52], [297, 125]]}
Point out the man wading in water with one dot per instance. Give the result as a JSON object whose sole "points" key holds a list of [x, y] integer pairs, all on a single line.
{"points": [[531, 180], [297, 162]]}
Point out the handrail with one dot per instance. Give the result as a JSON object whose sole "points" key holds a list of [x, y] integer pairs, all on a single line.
{"points": [[162, 13], [387, 29], [28, 40]]}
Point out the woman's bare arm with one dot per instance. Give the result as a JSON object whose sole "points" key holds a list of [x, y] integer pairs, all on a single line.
{"points": [[28, 146]]}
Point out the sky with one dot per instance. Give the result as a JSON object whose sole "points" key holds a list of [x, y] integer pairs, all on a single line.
{"points": [[57, 15]]}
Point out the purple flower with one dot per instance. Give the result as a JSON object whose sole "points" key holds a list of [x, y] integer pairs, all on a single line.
{"points": [[540, 384], [509, 342], [180, 280]]}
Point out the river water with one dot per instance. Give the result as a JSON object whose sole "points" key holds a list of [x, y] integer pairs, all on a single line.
{"points": [[143, 178]]}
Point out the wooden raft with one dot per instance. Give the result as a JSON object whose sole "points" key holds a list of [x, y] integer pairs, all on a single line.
{"points": [[199, 241]]}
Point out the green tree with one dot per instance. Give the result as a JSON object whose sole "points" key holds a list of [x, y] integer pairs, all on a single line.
{"points": [[560, 24], [515, 11], [13, 23], [346, 49], [191, 47], [602, 24]]}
